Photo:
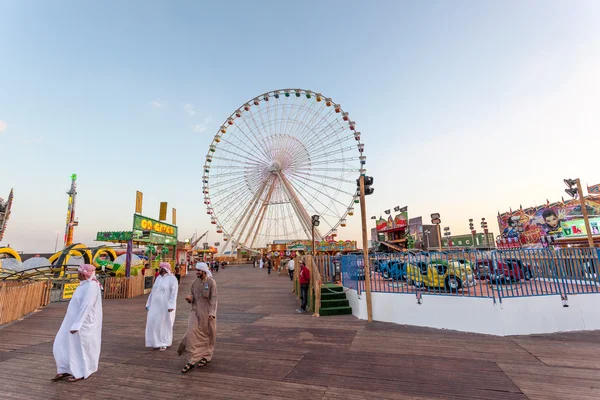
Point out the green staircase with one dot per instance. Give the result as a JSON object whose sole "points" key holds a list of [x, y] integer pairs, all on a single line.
{"points": [[333, 301]]}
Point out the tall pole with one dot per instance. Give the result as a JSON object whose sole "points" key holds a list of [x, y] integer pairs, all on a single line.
{"points": [[586, 218], [363, 215], [56, 242], [71, 211], [313, 238], [439, 235]]}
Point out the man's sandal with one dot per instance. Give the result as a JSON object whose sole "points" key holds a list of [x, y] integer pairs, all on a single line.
{"points": [[202, 362], [60, 377], [73, 379], [187, 368]]}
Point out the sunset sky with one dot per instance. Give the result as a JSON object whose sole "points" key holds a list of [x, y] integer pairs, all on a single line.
{"points": [[466, 108]]}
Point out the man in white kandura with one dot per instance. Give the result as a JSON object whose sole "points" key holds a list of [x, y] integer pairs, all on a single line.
{"points": [[77, 343], [161, 306]]}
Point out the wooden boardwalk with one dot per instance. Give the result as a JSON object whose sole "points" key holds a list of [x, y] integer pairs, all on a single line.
{"points": [[266, 350]]}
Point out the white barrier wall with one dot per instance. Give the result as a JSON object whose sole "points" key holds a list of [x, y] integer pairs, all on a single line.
{"points": [[514, 316]]}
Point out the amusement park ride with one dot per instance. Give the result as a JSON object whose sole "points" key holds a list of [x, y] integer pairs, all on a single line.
{"points": [[277, 160], [58, 263]]}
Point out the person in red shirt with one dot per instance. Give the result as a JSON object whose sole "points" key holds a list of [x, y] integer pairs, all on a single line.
{"points": [[304, 281]]}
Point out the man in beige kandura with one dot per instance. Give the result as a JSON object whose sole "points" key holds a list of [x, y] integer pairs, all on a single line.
{"points": [[199, 340]]}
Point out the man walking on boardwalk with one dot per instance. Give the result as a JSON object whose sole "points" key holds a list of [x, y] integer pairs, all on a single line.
{"points": [[291, 267], [161, 306], [77, 343], [199, 340]]}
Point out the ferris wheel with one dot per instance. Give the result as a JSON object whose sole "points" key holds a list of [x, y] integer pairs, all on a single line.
{"points": [[277, 160]]}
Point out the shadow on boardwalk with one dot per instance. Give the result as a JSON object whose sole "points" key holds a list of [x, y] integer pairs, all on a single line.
{"points": [[266, 350]]}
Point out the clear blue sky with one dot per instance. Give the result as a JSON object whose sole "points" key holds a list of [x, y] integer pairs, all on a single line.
{"points": [[504, 94]]}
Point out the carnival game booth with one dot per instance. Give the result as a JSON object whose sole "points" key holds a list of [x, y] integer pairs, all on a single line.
{"points": [[160, 242], [395, 231]]}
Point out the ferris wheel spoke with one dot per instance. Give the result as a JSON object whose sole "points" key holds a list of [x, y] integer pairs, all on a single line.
{"points": [[326, 145], [257, 137], [251, 159], [320, 202], [324, 177], [327, 186]]}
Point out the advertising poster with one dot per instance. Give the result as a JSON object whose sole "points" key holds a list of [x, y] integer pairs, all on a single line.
{"points": [[559, 220]]}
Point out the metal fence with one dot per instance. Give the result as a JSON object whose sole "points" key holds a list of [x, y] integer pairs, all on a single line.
{"points": [[494, 274]]}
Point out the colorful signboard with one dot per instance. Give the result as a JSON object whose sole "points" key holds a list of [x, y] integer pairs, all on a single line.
{"points": [[558, 220], [576, 227], [141, 223], [340, 245], [594, 189], [69, 289], [400, 221], [114, 237]]}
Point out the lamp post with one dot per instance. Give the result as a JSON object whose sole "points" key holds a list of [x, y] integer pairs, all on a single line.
{"points": [[436, 220], [473, 232], [577, 191], [447, 234], [484, 226], [427, 232], [315, 222]]}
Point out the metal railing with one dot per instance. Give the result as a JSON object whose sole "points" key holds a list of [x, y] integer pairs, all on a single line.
{"points": [[493, 274]]}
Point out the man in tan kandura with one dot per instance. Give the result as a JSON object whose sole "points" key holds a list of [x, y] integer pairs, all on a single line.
{"points": [[199, 340]]}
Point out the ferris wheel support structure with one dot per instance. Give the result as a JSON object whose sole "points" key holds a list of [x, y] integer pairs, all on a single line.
{"points": [[261, 214], [250, 205], [298, 208], [251, 214]]}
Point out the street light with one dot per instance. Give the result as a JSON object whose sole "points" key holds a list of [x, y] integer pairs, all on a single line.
{"points": [[472, 228], [427, 232], [447, 233], [484, 226], [315, 222]]}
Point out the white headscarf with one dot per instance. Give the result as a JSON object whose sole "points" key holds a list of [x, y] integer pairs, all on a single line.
{"points": [[203, 267]]}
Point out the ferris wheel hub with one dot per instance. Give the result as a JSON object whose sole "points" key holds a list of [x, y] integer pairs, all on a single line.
{"points": [[275, 167]]}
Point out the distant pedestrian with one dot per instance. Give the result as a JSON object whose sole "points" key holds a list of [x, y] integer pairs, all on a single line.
{"points": [[262, 262], [304, 282], [254, 263], [178, 273], [269, 266], [291, 267]]}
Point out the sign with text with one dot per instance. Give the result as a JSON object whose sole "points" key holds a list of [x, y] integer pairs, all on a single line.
{"points": [[69, 289], [576, 227], [141, 223]]}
